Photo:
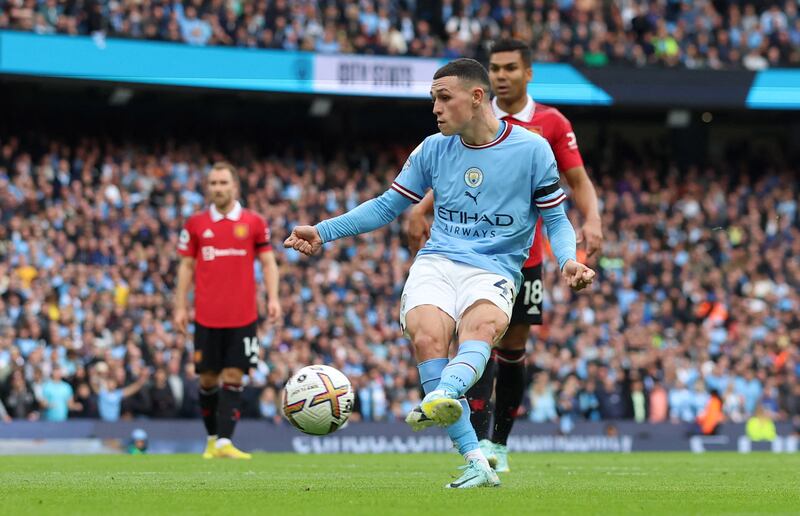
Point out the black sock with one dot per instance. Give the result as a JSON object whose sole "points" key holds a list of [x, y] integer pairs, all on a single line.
{"points": [[509, 392], [208, 408], [479, 398], [230, 406]]}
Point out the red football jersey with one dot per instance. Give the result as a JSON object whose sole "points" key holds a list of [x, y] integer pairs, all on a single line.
{"points": [[548, 122], [225, 248]]}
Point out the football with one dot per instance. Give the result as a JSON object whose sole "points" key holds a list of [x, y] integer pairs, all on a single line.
{"points": [[318, 399]]}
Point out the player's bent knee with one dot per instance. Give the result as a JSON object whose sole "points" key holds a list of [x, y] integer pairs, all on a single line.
{"points": [[208, 379], [489, 328], [515, 338], [232, 375], [491, 331], [427, 346]]}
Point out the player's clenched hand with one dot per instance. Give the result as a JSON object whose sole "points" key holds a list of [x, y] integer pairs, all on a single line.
{"points": [[274, 311], [418, 230], [592, 233], [181, 320], [305, 239], [577, 275]]}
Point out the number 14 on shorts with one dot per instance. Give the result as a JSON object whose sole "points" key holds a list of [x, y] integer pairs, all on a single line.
{"points": [[251, 348]]}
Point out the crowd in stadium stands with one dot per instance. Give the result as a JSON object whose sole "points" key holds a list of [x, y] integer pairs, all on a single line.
{"points": [[697, 291], [694, 34]]}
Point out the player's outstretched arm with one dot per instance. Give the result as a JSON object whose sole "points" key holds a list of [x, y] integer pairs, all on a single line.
{"points": [[562, 241], [364, 218]]}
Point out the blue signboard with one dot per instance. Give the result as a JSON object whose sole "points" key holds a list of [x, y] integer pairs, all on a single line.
{"points": [[775, 89], [172, 64], [563, 84]]}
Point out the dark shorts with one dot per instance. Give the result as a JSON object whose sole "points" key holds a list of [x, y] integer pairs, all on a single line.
{"points": [[528, 305], [218, 348]]}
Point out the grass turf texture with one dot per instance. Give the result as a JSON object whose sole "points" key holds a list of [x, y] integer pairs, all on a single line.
{"points": [[643, 483]]}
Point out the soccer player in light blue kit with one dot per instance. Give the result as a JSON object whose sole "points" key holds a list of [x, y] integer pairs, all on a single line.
{"points": [[491, 181]]}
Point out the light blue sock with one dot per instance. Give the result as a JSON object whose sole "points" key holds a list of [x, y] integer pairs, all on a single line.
{"points": [[461, 432], [430, 373], [465, 368]]}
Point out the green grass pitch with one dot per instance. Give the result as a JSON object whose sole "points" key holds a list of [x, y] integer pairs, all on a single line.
{"points": [[382, 485]]}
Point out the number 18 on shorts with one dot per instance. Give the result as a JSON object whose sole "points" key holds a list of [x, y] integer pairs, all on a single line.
{"points": [[528, 305]]}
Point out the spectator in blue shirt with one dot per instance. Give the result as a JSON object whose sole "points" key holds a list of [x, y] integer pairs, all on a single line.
{"points": [[543, 403], [680, 404], [718, 379], [57, 398], [700, 397], [749, 388], [588, 403], [194, 31], [111, 396], [327, 43]]}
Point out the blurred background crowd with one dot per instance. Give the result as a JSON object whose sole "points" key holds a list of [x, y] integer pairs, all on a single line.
{"points": [[697, 290], [696, 34]]}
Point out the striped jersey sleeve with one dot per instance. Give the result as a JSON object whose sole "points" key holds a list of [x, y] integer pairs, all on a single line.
{"points": [[549, 196], [547, 192], [415, 177]]}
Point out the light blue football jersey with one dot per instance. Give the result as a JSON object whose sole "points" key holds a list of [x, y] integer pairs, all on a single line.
{"points": [[486, 198]]}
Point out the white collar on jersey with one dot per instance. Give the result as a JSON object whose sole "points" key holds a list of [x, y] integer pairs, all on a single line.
{"points": [[526, 115], [234, 215]]}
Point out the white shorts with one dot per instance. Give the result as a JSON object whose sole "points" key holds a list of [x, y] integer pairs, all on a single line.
{"points": [[453, 287]]}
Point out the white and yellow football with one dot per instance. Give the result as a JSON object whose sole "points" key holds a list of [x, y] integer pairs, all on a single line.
{"points": [[318, 399]]}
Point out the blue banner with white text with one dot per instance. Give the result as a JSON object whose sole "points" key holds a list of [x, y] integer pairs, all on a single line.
{"points": [[224, 68], [171, 64]]}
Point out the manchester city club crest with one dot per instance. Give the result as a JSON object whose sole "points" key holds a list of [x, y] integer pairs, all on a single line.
{"points": [[473, 177]]}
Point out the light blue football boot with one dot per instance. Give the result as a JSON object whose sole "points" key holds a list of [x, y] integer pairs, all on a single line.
{"points": [[476, 474], [501, 456], [487, 447]]}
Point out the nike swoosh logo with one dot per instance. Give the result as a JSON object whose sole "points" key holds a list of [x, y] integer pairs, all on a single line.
{"points": [[420, 414], [459, 484]]}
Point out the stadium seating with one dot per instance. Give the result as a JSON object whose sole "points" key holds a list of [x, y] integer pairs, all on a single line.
{"points": [[694, 293], [700, 34]]}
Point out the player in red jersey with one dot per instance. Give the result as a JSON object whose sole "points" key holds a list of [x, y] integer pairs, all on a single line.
{"points": [[510, 72], [218, 247]]}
